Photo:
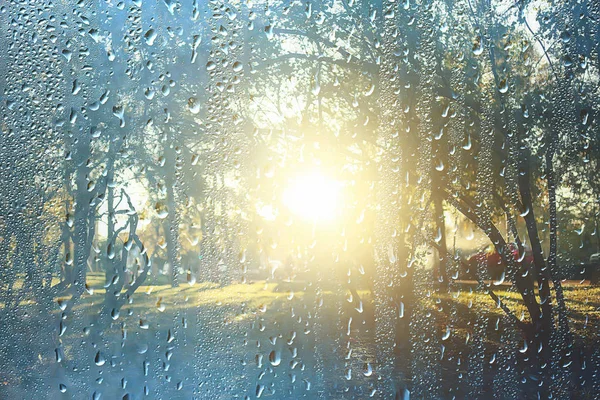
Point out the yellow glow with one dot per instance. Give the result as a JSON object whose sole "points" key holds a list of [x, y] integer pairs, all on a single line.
{"points": [[313, 196]]}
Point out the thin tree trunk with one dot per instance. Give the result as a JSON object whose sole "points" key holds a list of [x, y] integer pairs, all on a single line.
{"points": [[440, 223], [172, 230], [110, 231]]}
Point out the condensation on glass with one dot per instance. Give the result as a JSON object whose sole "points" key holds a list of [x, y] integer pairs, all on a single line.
{"points": [[337, 199]]}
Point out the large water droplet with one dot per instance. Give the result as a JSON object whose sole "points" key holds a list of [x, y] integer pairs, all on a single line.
{"points": [[150, 36], [99, 360], [275, 358]]}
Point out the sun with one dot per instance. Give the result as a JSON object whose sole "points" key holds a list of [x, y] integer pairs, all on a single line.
{"points": [[313, 196]]}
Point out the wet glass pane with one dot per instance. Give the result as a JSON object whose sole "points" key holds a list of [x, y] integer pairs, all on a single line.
{"points": [[336, 199]]}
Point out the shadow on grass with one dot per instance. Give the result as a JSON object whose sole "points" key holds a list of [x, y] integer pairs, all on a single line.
{"points": [[272, 339]]}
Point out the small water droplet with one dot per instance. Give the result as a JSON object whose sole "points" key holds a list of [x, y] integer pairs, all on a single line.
{"points": [[210, 66], [193, 105], [503, 86], [161, 210]]}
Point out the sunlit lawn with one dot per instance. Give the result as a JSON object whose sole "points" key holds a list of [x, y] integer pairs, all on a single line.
{"points": [[240, 302], [226, 323], [155, 300]]}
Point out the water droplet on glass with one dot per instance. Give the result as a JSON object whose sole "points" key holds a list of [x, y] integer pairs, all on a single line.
{"points": [[275, 358], [193, 105], [211, 66], [99, 360], [161, 210], [503, 86], [150, 36]]}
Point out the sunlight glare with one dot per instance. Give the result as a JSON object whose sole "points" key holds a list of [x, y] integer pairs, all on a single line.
{"points": [[313, 196]]}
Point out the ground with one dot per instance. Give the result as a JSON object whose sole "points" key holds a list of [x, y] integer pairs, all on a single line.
{"points": [[267, 338]]}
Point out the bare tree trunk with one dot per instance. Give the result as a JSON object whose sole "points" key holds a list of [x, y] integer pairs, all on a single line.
{"points": [[543, 324], [172, 227], [82, 219], [440, 238], [65, 269], [110, 231], [564, 333]]}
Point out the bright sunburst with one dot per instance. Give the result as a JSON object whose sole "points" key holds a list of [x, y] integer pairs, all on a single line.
{"points": [[313, 196]]}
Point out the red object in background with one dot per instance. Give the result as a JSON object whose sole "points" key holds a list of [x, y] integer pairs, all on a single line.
{"points": [[489, 257]]}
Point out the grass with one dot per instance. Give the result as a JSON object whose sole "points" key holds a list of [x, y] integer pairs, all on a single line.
{"points": [[221, 332], [243, 301]]}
